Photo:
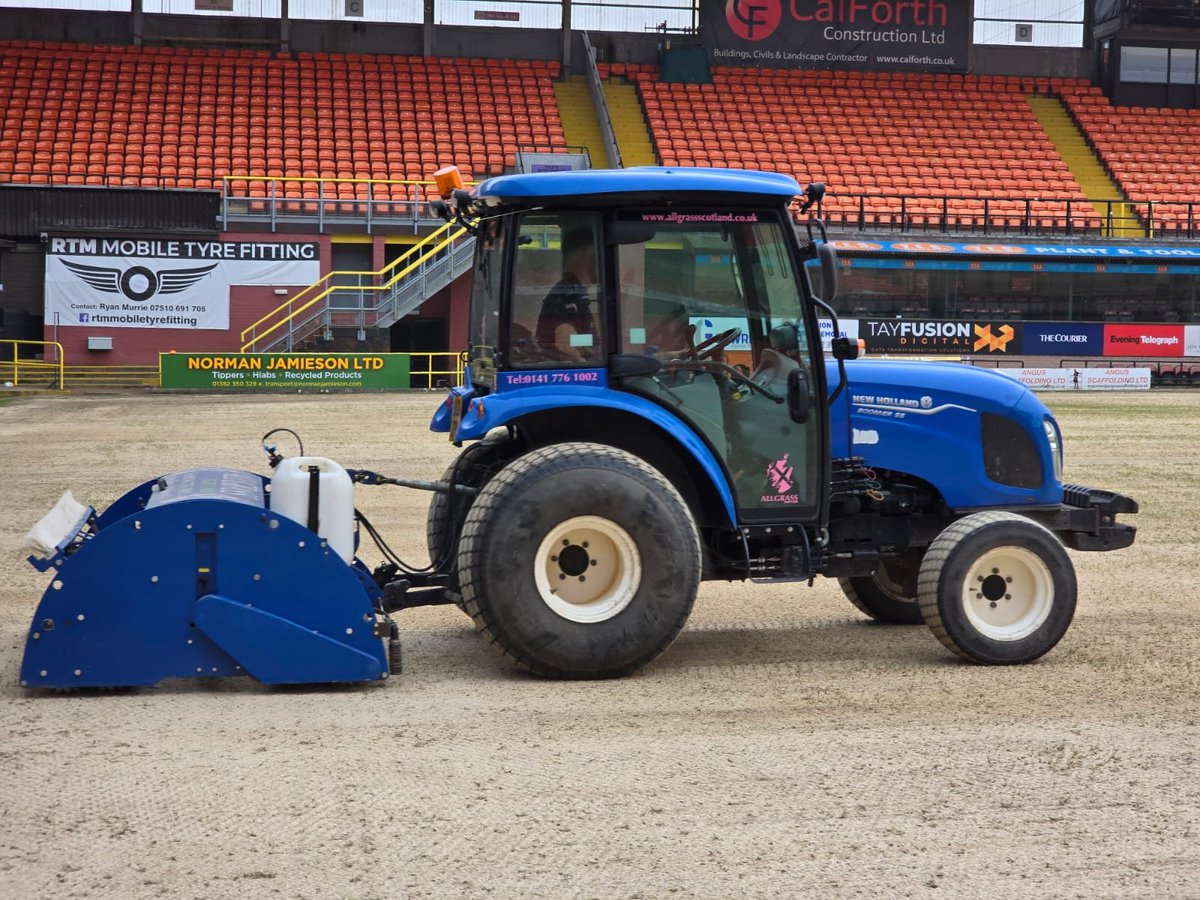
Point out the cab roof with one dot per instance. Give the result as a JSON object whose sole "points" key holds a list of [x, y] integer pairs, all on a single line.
{"points": [[640, 181]]}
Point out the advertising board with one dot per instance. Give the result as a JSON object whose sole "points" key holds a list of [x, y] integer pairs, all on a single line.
{"points": [[273, 371], [1191, 340], [1082, 379], [1143, 340], [925, 336], [1056, 338], [153, 283], [895, 35]]}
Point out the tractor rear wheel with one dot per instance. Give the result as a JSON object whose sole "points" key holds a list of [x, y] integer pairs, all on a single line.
{"points": [[579, 561], [889, 595], [997, 588]]}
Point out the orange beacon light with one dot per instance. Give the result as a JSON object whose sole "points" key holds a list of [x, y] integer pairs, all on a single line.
{"points": [[448, 179]]}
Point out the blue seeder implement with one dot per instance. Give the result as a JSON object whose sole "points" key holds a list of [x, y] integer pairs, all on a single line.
{"points": [[193, 575]]}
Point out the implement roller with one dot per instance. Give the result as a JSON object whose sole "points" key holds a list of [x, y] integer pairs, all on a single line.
{"points": [[211, 572]]}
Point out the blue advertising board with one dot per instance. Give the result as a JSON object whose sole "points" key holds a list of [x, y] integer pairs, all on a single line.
{"points": [[1050, 338]]}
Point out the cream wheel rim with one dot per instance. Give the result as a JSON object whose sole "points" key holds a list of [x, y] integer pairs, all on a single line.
{"points": [[1008, 594], [587, 569]]}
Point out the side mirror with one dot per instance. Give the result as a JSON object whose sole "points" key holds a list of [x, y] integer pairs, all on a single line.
{"points": [[785, 338], [799, 396], [829, 271], [842, 348], [629, 233]]}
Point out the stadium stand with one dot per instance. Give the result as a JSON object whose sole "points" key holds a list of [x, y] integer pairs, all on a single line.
{"points": [[82, 114], [160, 117], [875, 133], [1150, 152]]}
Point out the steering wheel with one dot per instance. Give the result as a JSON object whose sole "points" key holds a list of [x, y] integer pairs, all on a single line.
{"points": [[709, 348]]}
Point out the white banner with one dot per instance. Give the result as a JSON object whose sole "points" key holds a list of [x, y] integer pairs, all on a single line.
{"points": [[1115, 379], [146, 283], [1041, 379], [714, 325], [1191, 340], [849, 330], [1119, 379]]}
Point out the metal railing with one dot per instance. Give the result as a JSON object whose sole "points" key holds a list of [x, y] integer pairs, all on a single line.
{"points": [[13, 368], [316, 202], [1013, 215], [436, 370], [394, 290], [269, 200], [607, 133]]}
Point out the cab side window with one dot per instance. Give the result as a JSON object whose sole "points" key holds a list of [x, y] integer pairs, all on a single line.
{"points": [[557, 320]]}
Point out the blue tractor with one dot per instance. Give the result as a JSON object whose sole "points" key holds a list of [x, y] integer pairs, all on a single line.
{"points": [[648, 405]]}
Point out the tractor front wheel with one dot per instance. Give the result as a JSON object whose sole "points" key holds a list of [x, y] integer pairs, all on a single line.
{"points": [[997, 588], [579, 561]]}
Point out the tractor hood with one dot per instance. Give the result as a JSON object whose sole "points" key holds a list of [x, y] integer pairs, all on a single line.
{"points": [[977, 436]]}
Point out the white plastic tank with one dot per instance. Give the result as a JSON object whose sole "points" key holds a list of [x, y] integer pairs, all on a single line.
{"points": [[291, 486]]}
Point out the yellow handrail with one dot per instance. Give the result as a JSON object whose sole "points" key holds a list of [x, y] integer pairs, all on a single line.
{"points": [[452, 363], [347, 287], [328, 275], [17, 362]]}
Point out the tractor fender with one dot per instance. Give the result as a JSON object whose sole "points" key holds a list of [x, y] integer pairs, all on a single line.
{"points": [[482, 414]]}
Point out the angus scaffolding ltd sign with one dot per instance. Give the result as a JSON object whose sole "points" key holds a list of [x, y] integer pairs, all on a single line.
{"points": [[894, 35], [286, 371]]}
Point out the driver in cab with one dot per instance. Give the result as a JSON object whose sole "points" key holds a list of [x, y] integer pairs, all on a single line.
{"points": [[566, 328]]}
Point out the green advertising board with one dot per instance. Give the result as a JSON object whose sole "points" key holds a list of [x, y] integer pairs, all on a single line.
{"points": [[295, 371]]}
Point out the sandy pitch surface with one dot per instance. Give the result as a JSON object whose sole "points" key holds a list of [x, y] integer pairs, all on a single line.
{"points": [[783, 746]]}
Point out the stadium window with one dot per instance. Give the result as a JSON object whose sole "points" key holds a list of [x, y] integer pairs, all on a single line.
{"points": [[1147, 65], [1183, 66], [1043, 23]]}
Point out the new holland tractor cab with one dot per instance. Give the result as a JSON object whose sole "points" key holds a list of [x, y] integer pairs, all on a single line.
{"points": [[647, 405]]}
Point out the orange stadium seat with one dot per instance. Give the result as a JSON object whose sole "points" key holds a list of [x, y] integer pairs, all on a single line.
{"points": [[970, 137], [1149, 151], [186, 117]]}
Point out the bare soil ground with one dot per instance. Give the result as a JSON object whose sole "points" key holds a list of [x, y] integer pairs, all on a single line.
{"points": [[783, 746]]}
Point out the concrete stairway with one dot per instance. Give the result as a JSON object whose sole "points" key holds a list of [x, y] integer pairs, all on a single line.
{"points": [[629, 124], [1084, 166], [578, 115]]}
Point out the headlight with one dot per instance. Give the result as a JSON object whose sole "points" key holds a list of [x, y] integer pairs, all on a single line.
{"points": [[1055, 440]]}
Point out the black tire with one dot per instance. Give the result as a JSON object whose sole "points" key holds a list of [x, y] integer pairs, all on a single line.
{"points": [[473, 467], [644, 546], [1023, 588], [889, 595]]}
